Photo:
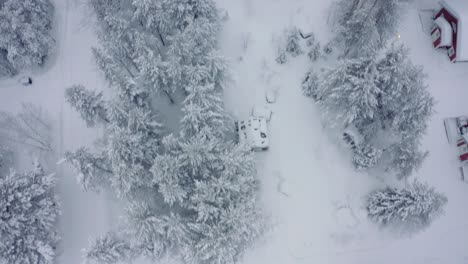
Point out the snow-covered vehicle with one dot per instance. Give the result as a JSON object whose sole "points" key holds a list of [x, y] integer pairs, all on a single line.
{"points": [[352, 137], [253, 132], [456, 128]]}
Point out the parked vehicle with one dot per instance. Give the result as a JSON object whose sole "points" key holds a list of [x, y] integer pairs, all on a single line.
{"points": [[456, 129], [254, 133]]}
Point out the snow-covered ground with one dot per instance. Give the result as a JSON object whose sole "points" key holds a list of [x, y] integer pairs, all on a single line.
{"points": [[308, 186]]}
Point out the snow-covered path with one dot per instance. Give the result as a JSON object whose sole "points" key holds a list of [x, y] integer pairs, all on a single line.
{"points": [[84, 214], [308, 184]]}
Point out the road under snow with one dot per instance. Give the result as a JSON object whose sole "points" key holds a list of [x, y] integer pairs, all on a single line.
{"points": [[84, 214]]}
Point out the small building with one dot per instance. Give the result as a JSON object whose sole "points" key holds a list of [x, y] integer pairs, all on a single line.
{"points": [[450, 31]]}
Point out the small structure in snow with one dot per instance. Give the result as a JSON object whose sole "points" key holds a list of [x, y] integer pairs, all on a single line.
{"points": [[270, 95], [449, 31], [25, 81], [253, 132]]}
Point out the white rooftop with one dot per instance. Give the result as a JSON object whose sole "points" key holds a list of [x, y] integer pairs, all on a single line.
{"points": [[459, 8]]}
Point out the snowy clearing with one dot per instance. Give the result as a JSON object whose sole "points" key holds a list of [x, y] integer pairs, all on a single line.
{"points": [[313, 195]]}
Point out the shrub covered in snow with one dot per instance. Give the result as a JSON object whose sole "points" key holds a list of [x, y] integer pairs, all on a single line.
{"points": [[25, 34], [313, 47], [289, 45], [310, 85], [366, 156], [28, 214], [413, 207]]}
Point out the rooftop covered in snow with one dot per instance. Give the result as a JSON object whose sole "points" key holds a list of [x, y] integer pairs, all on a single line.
{"points": [[459, 9]]}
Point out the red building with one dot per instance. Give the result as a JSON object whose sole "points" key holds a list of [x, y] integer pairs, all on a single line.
{"points": [[450, 31]]}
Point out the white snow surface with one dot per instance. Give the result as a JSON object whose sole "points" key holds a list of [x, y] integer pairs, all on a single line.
{"points": [[311, 191], [308, 185]]}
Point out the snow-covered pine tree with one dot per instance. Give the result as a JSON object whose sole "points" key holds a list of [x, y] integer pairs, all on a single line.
{"points": [[109, 249], [363, 26], [156, 232], [92, 169], [89, 104], [204, 113], [310, 85], [356, 29], [406, 104], [404, 156], [25, 28], [414, 206], [366, 156], [388, 14], [350, 91], [28, 214], [214, 181]]}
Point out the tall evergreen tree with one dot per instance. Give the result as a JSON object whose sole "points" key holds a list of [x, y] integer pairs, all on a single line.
{"points": [[28, 214], [88, 103], [364, 26], [25, 27], [109, 249], [350, 90]]}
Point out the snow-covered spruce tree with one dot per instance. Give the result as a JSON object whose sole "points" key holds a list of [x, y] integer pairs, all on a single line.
{"points": [[28, 212], [363, 26], [92, 169], [384, 96], [356, 30], [88, 103], [406, 103], [406, 107], [366, 156], [350, 91], [25, 27], [109, 249], [414, 207]]}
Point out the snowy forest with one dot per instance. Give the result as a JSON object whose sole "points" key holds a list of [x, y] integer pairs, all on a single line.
{"points": [[133, 122]]}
